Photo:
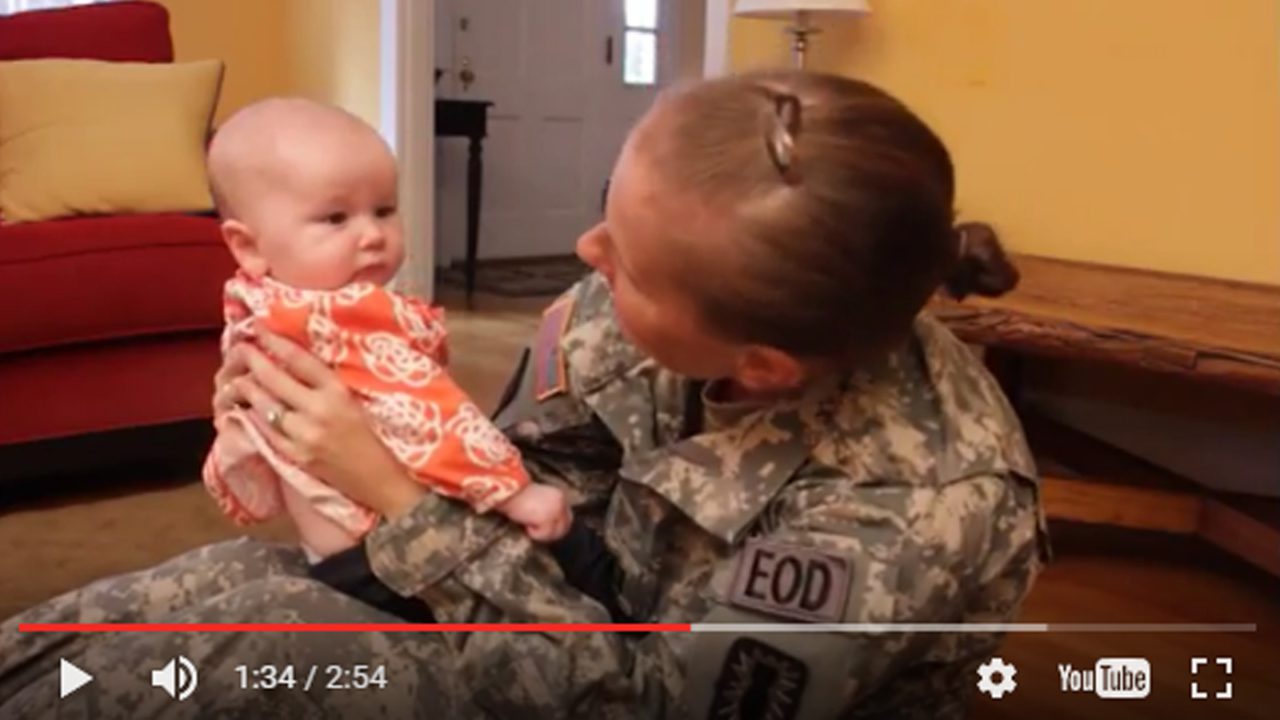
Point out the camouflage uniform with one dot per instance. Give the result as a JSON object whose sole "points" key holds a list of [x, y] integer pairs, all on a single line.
{"points": [[902, 493]]}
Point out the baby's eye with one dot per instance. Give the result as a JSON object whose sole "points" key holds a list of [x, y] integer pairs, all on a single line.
{"points": [[336, 218], [386, 211]]}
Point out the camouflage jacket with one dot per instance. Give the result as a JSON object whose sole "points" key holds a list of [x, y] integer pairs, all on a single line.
{"points": [[900, 494]]}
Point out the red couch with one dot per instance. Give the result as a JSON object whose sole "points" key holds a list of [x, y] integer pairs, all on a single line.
{"points": [[105, 322]]}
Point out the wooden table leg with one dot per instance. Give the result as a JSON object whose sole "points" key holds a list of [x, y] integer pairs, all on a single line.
{"points": [[475, 182]]}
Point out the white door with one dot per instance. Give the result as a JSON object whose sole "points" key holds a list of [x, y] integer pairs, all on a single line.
{"points": [[563, 102]]}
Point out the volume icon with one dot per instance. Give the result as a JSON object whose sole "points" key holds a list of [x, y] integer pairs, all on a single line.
{"points": [[178, 678]]}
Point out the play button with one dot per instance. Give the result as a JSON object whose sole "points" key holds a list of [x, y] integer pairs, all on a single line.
{"points": [[71, 678]]}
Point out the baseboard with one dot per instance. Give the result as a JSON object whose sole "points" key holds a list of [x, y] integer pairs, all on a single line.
{"points": [[511, 261], [25, 466]]}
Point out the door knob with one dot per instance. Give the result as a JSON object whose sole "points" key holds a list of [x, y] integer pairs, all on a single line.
{"points": [[466, 74]]}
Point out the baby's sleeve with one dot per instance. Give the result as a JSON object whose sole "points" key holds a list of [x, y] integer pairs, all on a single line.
{"points": [[448, 443]]}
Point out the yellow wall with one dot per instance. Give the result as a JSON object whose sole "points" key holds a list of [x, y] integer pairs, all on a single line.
{"points": [[246, 35], [1136, 132], [323, 49], [335, 49]]}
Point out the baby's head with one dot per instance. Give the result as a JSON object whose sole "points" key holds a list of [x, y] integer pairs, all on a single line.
{"points": [[307, 195]]}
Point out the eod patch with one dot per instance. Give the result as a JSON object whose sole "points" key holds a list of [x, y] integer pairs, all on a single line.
{"points": [[791, 581]]}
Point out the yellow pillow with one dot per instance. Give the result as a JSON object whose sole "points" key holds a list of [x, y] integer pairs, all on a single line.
{"points": [[95, 137]]}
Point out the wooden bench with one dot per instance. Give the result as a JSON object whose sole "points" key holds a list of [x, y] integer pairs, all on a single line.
{"points": [[1198, 329]]}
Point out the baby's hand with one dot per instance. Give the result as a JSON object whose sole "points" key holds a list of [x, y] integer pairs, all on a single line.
{"points": [[543, 510]]}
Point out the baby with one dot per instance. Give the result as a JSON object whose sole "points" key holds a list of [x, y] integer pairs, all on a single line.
{"points": [[307, 196]]}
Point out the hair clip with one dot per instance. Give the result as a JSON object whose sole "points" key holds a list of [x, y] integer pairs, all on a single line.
{"points": [[781, 139]]}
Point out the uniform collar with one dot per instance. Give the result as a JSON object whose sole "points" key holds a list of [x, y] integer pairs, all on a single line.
{"points": [[723, 478]]}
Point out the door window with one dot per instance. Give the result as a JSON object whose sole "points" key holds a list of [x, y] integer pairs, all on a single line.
{"points": [[640, 43]]}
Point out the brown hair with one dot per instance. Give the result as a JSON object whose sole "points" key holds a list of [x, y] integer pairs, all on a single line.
{"points": [[841, 202]]}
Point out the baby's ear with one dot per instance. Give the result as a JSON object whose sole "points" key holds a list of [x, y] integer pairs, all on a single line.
{"points": [[244, 247]]}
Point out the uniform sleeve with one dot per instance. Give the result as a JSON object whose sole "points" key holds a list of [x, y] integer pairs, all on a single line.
{"points": [[560, 439], [866, 554]]}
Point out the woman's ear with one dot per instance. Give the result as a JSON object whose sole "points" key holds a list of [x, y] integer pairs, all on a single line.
{"points": [[766, 370], [244, 247]]}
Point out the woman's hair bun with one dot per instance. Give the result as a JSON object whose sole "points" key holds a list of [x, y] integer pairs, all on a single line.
{"points": [[982, 267]]}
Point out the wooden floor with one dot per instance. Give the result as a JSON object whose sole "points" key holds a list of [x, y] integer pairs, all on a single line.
{"points": [[54, 544]]}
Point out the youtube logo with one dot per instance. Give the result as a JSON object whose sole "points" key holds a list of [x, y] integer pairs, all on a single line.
{"points": [[1109, 678]]}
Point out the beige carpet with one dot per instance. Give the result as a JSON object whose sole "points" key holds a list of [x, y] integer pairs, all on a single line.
{"points": [[58, 546]]}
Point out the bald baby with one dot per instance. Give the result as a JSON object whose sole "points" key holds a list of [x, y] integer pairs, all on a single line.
{"points": [[307, 195]]}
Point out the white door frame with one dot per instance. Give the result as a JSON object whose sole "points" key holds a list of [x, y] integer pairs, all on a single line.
{"points": [[408, 123], [715, 41], [408, 117]]}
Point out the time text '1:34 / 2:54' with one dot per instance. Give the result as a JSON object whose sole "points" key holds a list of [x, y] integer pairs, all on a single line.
{"points": [[326, 677]]}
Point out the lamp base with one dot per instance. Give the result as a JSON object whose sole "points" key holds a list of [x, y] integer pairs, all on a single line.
{"points": [[800, 33]]}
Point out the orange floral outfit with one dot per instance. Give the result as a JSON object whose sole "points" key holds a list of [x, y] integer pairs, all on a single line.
{"points": [[388, 349]]}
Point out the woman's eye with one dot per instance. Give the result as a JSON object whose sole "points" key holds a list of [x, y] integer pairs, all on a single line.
{"points": [[386, 211], [336, 218]]}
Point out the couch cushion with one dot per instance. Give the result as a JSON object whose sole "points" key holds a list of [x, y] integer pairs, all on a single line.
{"points": [[87, 137], [70, 281], [122, 31]]}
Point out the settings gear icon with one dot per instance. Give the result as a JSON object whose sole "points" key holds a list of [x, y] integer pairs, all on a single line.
{"points": [[997, 687]]}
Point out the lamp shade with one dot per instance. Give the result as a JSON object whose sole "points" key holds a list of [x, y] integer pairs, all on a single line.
{"points": [[788, 8]]}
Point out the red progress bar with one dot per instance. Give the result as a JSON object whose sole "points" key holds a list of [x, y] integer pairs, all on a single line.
{"points": [[353, 627]]}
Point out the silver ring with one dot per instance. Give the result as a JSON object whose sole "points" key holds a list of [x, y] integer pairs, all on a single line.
{"points": [[275, 418]]}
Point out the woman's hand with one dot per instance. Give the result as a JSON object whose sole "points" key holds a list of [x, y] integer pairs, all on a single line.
{"points": [[309, 416]]}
